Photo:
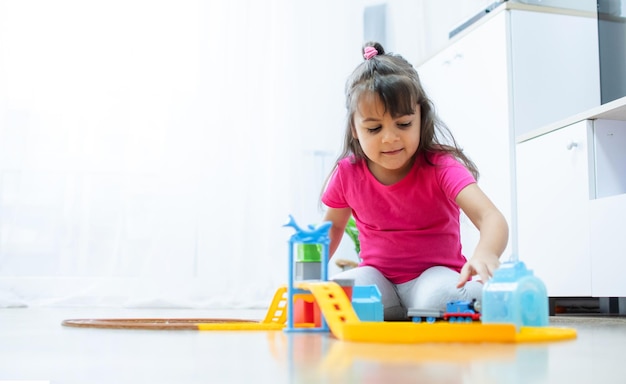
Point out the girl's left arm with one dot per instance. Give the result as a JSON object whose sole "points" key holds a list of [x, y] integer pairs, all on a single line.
{"points": [[494, 233]]}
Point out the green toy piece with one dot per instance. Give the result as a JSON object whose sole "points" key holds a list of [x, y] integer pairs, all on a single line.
{"points": [[353, 232]]}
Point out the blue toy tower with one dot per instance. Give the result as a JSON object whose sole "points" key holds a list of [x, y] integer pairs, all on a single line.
{"points": [[313, 235], [515, 296]]}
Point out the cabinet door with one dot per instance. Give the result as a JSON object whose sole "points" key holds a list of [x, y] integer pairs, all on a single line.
{"points": [[608, 210], [556, 73], [553, 185], [467, 83]]}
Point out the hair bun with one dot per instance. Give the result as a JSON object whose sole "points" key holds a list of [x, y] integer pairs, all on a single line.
{"points": [[375, 45], [369, 53]]}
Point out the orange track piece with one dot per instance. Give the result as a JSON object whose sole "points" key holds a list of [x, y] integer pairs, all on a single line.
{"points": [[333, 303]]}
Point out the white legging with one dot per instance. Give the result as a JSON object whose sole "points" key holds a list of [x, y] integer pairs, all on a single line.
{"points": [[431, 290]]}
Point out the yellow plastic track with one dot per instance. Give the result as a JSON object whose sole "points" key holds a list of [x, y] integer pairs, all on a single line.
{"points": [[539, 334], [274, 320], [344, 323]]}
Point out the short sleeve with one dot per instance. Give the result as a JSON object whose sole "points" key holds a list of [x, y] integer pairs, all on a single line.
{"points": [[334, 196], [453, 176]]}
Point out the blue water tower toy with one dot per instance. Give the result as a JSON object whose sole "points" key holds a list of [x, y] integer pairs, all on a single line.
{"points": [[515, 296]]}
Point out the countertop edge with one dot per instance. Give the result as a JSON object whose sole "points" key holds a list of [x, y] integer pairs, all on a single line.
{"points": [[614, 110]]}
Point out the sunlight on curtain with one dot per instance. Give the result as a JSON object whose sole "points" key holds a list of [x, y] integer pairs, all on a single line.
{"points": [[151, 150]]}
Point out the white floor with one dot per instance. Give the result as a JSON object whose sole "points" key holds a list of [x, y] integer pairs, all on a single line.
{"points": [[34, 346]]}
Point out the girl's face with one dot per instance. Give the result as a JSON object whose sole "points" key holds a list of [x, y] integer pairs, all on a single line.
{"points": [[389, 143]]}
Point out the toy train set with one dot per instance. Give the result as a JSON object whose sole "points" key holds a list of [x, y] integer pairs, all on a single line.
{"points": [[457, 311], [513, 307]]}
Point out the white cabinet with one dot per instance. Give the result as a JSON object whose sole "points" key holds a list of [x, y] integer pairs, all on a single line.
{"points": [[571, 193], [467, 82], [608, 210], [520, 91], [554, 182], [516, 70]]}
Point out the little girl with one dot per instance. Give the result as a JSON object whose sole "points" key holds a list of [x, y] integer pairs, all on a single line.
{"points": [[404, 179]]}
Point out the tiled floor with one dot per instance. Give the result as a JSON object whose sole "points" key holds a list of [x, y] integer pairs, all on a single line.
{"points": [[35, 346]]}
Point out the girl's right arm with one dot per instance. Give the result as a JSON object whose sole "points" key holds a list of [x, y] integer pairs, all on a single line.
{"points": [[339, 217]]}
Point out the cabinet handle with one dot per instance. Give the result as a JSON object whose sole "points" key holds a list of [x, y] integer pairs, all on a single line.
{"points": [[571, 145], [448, 62]]}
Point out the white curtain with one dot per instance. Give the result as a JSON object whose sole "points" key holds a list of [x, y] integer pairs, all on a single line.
{"points": [[150, 151]]}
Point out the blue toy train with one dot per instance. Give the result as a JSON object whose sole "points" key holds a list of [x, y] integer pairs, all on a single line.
{"points": [[457, 311]]}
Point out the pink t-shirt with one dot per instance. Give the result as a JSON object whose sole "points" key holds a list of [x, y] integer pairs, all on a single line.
{"points": [[407, 227]]}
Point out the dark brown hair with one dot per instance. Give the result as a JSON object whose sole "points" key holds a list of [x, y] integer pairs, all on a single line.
{"points": [[397, 83]]}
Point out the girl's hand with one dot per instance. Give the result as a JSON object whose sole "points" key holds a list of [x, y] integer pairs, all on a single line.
{"points": [[494, 234], [482, 265]]}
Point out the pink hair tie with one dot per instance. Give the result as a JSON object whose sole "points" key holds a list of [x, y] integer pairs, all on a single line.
{"points": [[369, 52]]}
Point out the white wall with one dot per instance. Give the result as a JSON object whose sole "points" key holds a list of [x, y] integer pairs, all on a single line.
{"points": [[150, 151]]}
